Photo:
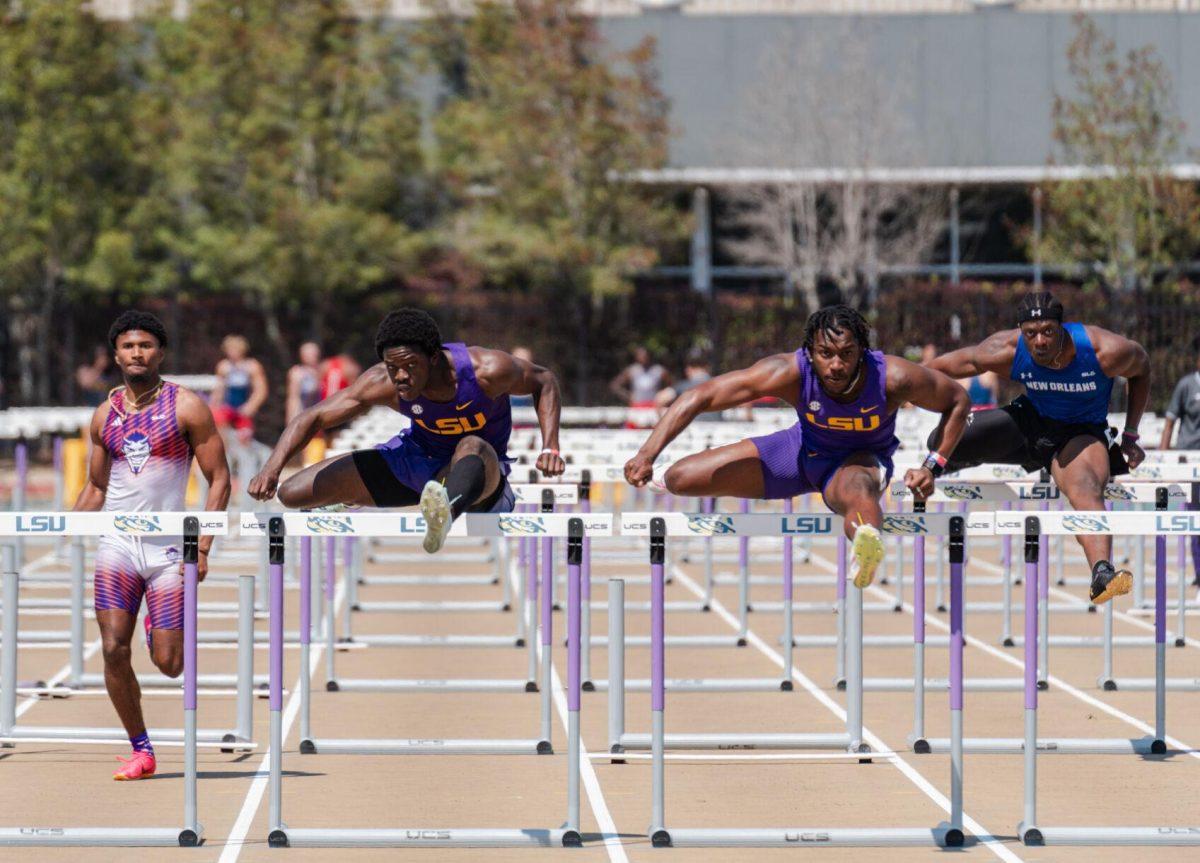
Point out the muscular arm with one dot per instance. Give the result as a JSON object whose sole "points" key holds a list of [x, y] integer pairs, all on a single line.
{"points": [[776, 376], [197, 423], [371, 389], [91, 497], [1118, 355], [993, 354], [933, 391], [501, 373]]}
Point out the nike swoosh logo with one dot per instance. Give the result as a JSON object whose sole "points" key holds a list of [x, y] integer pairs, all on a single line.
{"points": [[464, 406], [867, 410], [159, 417]]}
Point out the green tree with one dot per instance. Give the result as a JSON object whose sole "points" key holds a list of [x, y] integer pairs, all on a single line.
{"points": [[287, 144], [542, 125], [1127, 217], [65, 169]]}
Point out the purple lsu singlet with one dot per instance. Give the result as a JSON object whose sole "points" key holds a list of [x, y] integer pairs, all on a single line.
{"points": [[437, 427], [831, 426]]}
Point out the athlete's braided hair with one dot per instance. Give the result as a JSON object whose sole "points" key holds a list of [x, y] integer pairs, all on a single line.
{"points": [[410, 328], [837, 319]]}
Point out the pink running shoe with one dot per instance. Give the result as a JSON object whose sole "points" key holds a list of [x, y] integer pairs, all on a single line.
{"points": [[139, 765]]}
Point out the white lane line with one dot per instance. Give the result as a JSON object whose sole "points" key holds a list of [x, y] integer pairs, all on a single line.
{"points": [[980, 833], [587, 773], [62, 674], [237, 836], [1148, 728]]}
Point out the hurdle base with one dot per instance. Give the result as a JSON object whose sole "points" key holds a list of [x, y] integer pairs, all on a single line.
{"points": [[712, 684], [727, 742], [423, 746], [129, 837], [469, 641], [1147, 684], [1111, 836], [1053, 746], [437, 837], [792, 837], [366, 684]]}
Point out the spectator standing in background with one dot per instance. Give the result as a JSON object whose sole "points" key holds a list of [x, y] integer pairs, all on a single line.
{"points": [[241, 388], [637, 385], [696, 370], [1184, 409], [95, 378], [337, 373], [983, 391], [304, 380]]}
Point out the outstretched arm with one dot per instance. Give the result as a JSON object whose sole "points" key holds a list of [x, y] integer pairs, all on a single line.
{"points": [[500, 373], [1119, 356], [933, 391], [371, 389], [993, 354], [776, 376]]}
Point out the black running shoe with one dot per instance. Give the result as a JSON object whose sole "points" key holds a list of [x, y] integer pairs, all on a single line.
{"points": [[1108, 582]]}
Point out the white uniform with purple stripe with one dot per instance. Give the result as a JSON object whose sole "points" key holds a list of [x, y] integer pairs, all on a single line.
{"points": [[151, 458]]}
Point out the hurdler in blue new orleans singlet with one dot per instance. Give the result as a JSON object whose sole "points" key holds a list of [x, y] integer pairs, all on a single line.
{"points": [[1078, 393], [802, 458]]}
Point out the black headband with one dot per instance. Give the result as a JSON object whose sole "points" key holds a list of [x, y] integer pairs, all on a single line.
{"points": [[1040, 313]]}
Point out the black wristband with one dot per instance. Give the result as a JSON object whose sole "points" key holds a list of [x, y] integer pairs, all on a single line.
{"points": [[933, 465]]}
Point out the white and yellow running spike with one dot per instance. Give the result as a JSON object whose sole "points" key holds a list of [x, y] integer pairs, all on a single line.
{"points": [[435, 507], [867, 552]]}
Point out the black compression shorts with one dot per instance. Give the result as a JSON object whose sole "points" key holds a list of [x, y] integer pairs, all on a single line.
{"points": [[387, 491], [1018, 434]]}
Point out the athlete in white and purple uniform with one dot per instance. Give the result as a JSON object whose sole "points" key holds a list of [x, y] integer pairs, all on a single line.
{"points": [[846, 396], [143, 440], [454, 456]]}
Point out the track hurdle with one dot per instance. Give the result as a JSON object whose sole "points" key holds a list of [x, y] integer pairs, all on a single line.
{"points": [[544, 526], [947, 835], [1158, 525], [89, 524], [575, 529], [191, 833]]}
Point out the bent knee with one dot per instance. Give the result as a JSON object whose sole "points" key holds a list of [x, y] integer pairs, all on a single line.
{"points": [[170, 664], [680, 479], [292, 494], [472, 445]]}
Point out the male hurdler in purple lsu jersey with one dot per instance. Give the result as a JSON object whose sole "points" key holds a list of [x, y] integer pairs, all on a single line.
{"points": [[802, 458], [151, 458], [417, 454]]}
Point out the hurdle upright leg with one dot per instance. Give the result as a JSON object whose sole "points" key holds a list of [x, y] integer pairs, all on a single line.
{"points": [[305, 578], [276, 838], [8, 642], [616, 664], [77, 600], [330, 634], [840, 648], [1027, 829], [575, 557], [585, 621], [1006, 563], [547, 635], [789, 635], [917, 739], [743, 580]]}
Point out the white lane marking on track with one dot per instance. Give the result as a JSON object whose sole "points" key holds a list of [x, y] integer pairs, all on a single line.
{"points": [[1186, 748], [587, 773], [980, 833], [254, 796], [88, 652], [930, 620]]}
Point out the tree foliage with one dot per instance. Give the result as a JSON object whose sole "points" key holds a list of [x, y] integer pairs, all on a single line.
{"points": [[1128, 218]]}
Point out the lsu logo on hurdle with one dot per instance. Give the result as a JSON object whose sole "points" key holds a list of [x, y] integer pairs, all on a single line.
{"points": [[1085, 523], [325, 524], [711, 525], [1116, 491], [806, 524], [515, 525], [958, 491], [1178, 523], [1039, 491], [137, 524], [904, 524], [41, 523]]}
